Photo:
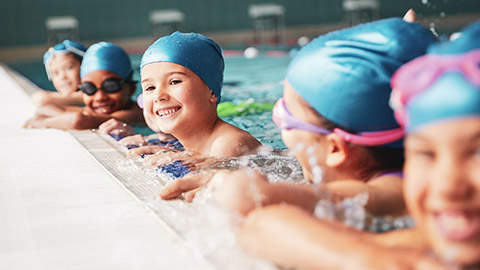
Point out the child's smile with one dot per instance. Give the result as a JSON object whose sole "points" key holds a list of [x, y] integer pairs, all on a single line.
{"points": [[167, 112], [457, 225]]}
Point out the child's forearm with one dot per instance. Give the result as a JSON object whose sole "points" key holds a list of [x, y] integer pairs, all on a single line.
{"points": [[49, 110], [384, 197], [73, 120], [292, 237], [304, 196]]}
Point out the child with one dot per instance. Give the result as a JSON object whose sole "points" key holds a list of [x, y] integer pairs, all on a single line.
{"points": [[182, 77], [62, 64], [107, 88], [335, 117], [437, 99]]}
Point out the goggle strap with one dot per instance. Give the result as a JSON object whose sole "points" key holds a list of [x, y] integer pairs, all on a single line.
{"points": [[371, 138]]}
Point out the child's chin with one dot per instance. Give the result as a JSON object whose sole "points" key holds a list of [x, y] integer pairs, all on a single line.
{"points": [[463, 255], [103, 110]]}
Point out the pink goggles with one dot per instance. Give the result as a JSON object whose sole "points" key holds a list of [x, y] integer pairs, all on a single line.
{"points": [[285, 120], [417, 75]]}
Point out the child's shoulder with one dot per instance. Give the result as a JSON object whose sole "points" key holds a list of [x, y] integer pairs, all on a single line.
{"points": [[231, 141]]}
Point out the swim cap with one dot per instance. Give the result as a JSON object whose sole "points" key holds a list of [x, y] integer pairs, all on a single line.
{"points": [[442, 85], [106, 56], [345, 75], [66, 46], [196, 52]]}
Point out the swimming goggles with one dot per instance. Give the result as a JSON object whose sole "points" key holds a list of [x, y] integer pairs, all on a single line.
{"points": [[285, 120], [110, 85], [419, 74], [68, 46]]}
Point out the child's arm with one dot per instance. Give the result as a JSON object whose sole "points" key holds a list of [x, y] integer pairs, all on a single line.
{"points": [[234, 146], [49, 110], [43, 97], [385, 194], [68, 120], [291, 237], [245, 190], [231, 141]]}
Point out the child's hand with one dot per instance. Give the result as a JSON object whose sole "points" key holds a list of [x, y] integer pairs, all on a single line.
{"points": [[35, 122], [165, 156], [146, 150], [136, 139], [188, 186], [195, 161], [116, 127], [240, 190]]}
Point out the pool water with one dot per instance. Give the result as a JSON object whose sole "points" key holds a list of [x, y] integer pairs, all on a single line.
{"points": [[256, 80]]}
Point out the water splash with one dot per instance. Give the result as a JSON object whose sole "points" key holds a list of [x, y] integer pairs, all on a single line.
{"points": [[352, 212]]}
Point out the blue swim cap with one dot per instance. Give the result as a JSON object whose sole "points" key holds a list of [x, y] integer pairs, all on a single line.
{"points": [[345, 75], [66, 46], [469, 41], [196, 52], [442, 85], [106, 56]]}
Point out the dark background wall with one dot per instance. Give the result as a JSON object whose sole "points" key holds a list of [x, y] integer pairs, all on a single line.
{"points": [[22, 22]]}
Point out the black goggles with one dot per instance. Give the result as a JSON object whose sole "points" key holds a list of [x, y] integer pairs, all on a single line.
{"points": [[111, 85]]}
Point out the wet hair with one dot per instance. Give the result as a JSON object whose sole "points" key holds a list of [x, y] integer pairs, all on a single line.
{"points": [[381, 158]]}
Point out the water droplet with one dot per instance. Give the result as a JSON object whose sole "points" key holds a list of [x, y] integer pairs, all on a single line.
{"points": [[442, 14], [424, 2]]}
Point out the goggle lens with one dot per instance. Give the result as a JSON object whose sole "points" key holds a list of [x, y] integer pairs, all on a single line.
{"points": [[112, 85]]}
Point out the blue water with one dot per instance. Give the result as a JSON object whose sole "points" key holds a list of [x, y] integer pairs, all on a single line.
{"points": [[256, 80]]}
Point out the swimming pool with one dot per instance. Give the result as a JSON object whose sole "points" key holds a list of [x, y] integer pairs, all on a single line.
{"points": [[256, 80]]}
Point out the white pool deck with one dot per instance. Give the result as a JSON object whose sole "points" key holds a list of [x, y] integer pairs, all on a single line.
{"points": [[60, 209]]}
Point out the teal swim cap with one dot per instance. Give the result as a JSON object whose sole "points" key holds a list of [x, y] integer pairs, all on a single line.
{"points": [[345, 75], [196, 52], [442, 85], [66, 46], [106, 56]]}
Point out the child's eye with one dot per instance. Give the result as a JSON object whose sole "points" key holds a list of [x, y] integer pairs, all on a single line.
{"points": [[148, 88], [420, 154], [175, 81], [425, 154]]}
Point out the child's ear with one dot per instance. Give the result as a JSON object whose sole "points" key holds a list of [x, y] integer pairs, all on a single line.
{"points": [[337, 150], [213, 98]]}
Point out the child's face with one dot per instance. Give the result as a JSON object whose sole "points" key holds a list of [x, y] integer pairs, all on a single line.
{"points": [[175, 99], [102, 102], [65, 72], [442, 187], [306, 145]]}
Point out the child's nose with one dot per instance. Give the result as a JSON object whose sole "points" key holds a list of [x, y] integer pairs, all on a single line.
{"points": [[161, 95], [100, 95], [451, 182], [62, 74]]}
